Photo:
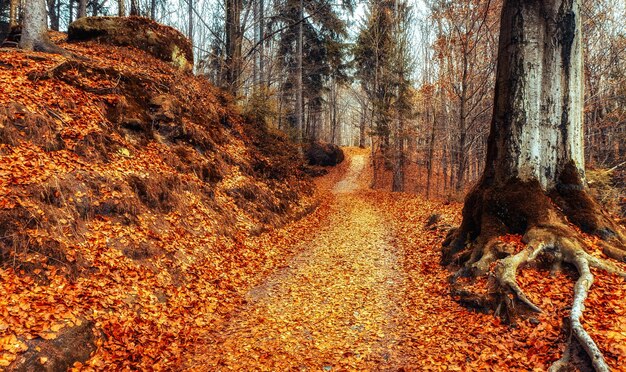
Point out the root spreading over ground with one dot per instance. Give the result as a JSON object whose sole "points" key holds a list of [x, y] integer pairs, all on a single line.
{"points": [[548, 238]]}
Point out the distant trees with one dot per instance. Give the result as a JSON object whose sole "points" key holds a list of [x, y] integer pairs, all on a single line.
{"points": [[605, 79], [424, 101], [383, 67], [458, 44]]}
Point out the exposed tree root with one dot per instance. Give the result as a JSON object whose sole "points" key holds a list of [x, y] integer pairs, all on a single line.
{"points": [[522, 208]]}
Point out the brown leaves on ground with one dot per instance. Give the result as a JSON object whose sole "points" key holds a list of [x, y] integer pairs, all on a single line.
{"points": [[115, 211], [367, 293]]}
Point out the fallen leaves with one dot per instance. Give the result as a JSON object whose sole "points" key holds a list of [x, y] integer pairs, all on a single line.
{"points": [[82, 243]]}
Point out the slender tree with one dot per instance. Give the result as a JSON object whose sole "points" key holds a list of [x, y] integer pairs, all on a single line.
{"points": [[299, 103], [13, 8], [82, 9], [234, 38], [534, 179], [134, 8], [121, 8]]}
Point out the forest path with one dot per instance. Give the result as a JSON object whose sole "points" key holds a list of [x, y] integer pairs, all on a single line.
{"points": [[364, 291], [336, 305]]}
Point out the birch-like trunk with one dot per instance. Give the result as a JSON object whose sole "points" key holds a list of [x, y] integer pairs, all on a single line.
{"points": [[536, 131]]}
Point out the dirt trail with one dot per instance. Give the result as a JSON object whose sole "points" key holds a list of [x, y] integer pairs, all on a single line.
{"points": [[366, 292], [350, 181], [336, 304]]}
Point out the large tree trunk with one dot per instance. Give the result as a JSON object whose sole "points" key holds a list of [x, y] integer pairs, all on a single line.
{"points": [[534, 181], [35, 29]]}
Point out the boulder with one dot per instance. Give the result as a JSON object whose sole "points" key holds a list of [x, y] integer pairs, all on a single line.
{"points": [[163, 42], [325, 154]]}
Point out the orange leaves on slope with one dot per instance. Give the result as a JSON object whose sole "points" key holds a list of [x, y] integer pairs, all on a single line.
{"points": [[154, 268]]}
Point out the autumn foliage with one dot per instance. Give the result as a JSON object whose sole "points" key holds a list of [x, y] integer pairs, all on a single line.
{"points": [[146, 224], [130, 194]]}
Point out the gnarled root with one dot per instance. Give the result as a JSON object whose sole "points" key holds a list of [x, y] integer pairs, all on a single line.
{"points": [[507, 270]]}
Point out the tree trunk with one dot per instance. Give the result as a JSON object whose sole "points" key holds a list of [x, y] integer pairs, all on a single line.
{"points": [[71, 11], [190, 19], [82, 9], [13, 8], [53, 13], [153, 9], [121, 8], [362, 125], [35, 29], [233, 45], [262, 44], [299, 99], [134, 7], [94, 8], [398, 163], [431, 149], [534, 182]]}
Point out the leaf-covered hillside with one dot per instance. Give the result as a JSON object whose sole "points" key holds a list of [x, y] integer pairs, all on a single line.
{"points": [[128, 193]]}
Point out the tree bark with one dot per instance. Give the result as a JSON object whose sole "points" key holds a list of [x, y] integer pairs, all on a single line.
{"points": [[71, 11], [82, 9], [53, 14], [35, 29], [533, 183], [190, 19], [431, 149], [362, 124], [299, 88], [234, 38], [134, 7], [121, 8], [261, 4], [13, 8]]}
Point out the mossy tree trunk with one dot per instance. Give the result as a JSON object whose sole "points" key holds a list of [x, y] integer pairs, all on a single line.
{"points": [[534, 179]]}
